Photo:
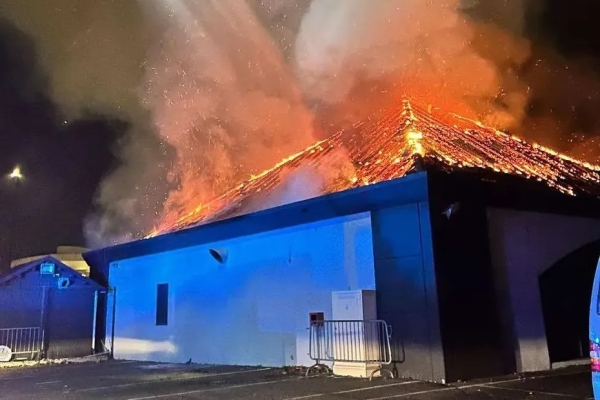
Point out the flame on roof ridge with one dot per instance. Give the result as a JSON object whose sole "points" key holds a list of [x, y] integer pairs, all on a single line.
{"points": [[392, 146]]}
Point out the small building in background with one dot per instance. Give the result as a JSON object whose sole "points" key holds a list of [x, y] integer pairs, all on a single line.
{"points": [[71, 256], [47, 310]]}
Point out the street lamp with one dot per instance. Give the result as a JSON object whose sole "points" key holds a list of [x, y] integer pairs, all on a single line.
{"points": [[15, 177]]}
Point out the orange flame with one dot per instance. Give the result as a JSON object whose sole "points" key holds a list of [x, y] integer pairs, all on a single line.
{"points": [[387, 148]]}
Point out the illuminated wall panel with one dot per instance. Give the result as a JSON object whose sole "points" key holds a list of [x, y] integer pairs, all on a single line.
{"points": [[251, 309]]}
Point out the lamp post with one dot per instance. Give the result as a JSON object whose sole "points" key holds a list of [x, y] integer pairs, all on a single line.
{"points": [[15, 178]]}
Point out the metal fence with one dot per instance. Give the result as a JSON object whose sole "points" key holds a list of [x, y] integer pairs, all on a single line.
{"points": [[23, 342], [349, 342]]}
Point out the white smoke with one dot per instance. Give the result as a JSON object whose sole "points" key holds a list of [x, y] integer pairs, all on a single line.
{"points": [[220, 92], [420, 46], [306, 181]]}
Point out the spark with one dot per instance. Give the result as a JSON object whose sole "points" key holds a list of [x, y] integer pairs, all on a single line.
{"points": [[385, 149]]}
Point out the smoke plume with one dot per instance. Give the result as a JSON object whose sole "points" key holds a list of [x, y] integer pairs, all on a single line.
{"points": [[217, 90], [220, 92], [360, 56]]}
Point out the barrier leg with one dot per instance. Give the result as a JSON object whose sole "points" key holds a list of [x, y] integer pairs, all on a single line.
{"points": [[383, 372], [320, 368]]}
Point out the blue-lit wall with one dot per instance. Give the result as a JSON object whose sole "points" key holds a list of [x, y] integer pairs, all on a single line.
{"points": [[252, 310], [406, 289]]}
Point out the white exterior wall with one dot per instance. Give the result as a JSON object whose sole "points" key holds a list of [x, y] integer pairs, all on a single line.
{"points": [[252, 310], [523, 245]]}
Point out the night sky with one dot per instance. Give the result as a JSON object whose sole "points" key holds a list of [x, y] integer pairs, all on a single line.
{"points": [[64, 160]]}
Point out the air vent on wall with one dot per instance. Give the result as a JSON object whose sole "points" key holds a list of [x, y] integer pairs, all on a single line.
{"points": [[220, 255], [64, 282]]}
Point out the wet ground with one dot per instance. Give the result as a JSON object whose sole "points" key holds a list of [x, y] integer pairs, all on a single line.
{"points": [[121, 380]]}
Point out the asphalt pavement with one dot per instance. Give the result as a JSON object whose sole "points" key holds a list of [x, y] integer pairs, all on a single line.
{"points": [[123, 380]]}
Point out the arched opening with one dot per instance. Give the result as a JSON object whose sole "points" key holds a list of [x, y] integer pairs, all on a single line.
{"points": [[565, 290]]}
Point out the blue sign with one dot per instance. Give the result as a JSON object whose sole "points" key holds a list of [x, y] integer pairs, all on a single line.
{"points": [[47, 268]]}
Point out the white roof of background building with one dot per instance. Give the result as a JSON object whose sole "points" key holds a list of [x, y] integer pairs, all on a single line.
{"points": [[68, 255]]}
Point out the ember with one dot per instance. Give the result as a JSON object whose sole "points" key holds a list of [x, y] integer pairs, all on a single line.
{"points": [[390, 147]]}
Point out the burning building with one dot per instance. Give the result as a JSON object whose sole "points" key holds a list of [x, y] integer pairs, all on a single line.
{"points": [[407, 139], [459, 228]]}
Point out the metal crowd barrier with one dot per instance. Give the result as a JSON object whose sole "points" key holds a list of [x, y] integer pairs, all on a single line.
{"points": [[23, 341], [349, 342]]}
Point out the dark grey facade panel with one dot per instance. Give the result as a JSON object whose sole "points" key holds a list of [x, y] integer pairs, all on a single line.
{"points": [[469, 314], [69, 323], [406, 294]]}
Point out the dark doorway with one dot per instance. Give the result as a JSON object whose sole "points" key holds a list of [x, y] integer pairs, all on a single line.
{"points": [[566, 289]]}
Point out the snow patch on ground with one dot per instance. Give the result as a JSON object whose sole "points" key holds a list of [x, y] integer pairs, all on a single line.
{"points": [[24, 364], [163, 366]]}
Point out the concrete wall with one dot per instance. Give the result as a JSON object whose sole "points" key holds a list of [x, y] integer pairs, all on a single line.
{"points": [[523, 245], [254, 309], [406, 289]]}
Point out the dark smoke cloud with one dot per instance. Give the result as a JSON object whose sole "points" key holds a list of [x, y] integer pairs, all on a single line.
{"points": [[564, 76], [93, 52], [62, 162], [219, 89]]}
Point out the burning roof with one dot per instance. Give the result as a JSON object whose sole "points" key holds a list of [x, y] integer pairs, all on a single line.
{"points": [[394, 146]]}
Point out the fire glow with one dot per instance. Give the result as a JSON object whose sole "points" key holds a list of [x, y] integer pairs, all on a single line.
{"points": [[390, 147]]}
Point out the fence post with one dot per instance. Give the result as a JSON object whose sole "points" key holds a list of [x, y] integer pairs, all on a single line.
{"points": [[42, 349], [110, 312]]}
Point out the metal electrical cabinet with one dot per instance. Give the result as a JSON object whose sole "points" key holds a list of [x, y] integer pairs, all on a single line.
{"points": [[354, 305]]}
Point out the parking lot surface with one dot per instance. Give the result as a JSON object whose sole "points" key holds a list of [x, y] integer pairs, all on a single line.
{"points": [[122, 380]]}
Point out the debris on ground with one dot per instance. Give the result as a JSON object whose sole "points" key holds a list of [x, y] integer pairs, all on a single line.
{"points": [[95, 358], [294, 370]]}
